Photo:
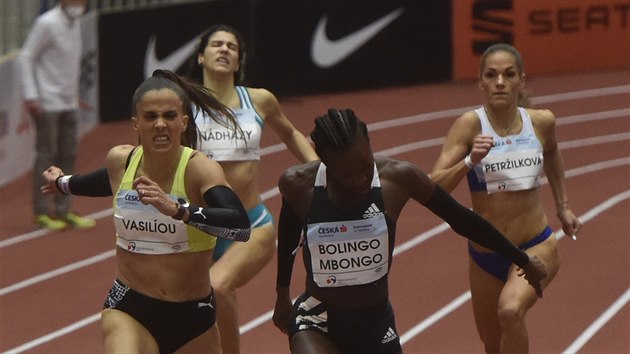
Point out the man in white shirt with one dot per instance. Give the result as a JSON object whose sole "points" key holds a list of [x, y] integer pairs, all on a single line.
{"points": [[50, 65]]}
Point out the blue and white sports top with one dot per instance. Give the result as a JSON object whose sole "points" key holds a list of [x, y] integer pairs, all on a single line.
{"points": [[223, 144], [514, 163]]}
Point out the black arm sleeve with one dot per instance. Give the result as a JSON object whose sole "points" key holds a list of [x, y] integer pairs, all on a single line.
{"points": [[93, 184], [289, 231], [474, 227], [225, 216]]}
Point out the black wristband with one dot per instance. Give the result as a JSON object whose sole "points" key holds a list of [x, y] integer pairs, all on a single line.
{"points": [[183, 205]]}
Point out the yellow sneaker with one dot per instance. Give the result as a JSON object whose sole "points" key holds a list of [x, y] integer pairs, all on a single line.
{"points": [[46, 222], [79, 222]]}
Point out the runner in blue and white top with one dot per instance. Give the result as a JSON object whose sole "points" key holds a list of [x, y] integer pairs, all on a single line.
{"points": [[221, 143], [218, 65], [504, 147], [514, 163]]}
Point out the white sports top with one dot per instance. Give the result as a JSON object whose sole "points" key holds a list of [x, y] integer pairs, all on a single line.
{"points": [[514, 163], [223, 144]]}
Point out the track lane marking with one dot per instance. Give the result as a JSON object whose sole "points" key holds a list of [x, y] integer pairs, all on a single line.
{"points": [[466, 296], [460, 300]]}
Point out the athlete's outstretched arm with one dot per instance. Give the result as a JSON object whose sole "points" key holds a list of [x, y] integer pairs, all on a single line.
{"points": [[467, 223], [93, 184], [289, 232], [477, 229]]}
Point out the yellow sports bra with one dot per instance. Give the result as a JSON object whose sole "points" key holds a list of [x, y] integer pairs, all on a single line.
{"points": [[144, 229]]}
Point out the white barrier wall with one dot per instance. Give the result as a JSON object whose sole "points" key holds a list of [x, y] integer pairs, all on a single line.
{"points": [[16, 138], [17, 131]]}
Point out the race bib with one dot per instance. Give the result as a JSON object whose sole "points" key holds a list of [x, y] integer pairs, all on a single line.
{"points": [[512, 171], [143, 229], [348, 253]]}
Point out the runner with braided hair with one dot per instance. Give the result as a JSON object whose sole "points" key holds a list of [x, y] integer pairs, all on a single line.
{"points": [[346, 206]]}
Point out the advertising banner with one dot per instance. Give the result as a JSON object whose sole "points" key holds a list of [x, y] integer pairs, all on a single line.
{"points": [[552, 35], [321, 46], [293, 47], [132, 44]]}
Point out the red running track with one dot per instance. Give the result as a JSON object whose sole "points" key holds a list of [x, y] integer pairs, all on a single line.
{"points": [[52, 285]]}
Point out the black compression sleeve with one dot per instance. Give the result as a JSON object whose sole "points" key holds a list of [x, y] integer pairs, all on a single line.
{"points": [[289, 231], [93, 184], [472, 226], [224, 208], [225, 216]]}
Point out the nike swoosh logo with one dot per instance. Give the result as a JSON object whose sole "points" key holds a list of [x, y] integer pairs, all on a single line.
{"points": [[172, 61], [326, 53]]}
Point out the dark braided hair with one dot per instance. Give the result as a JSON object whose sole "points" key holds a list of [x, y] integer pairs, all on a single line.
{"points": [[337, 130], [191, 94]]}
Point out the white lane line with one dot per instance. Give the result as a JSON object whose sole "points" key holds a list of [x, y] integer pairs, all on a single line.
{"points": [[403, 247], [449, 113], [596, 140], [57, 272], [407, 120], [56, 334], [452, 113], [435, 317], [460, 300], [594, 116], [387, 152], [42, 232], [578, 95], [598, 324], [464, 297]]}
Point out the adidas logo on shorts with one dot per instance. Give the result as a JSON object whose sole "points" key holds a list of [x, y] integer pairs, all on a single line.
{"points": [[389, 336], [372, 211]]}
